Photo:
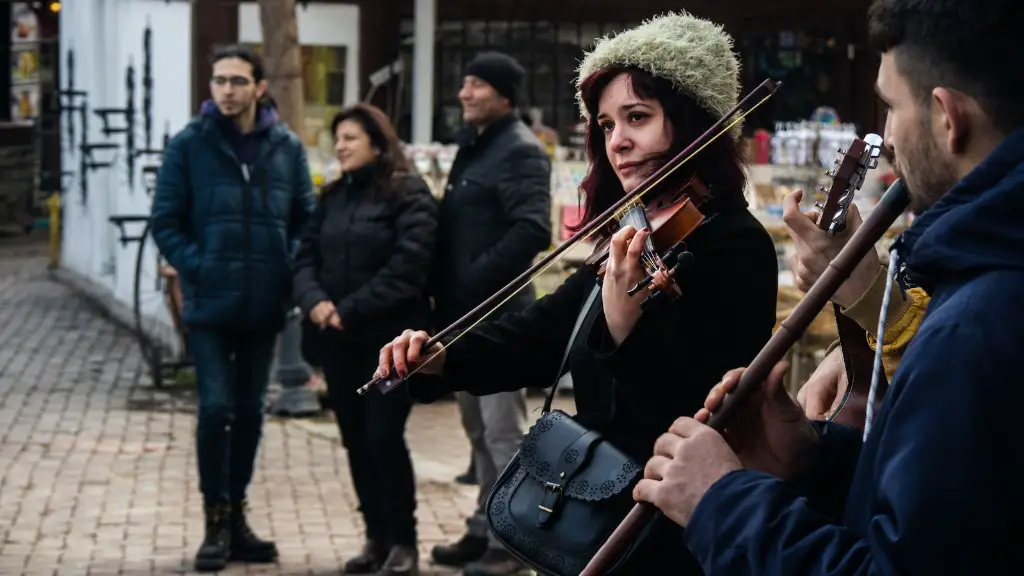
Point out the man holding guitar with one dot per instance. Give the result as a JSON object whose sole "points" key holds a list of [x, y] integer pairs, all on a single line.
{"points": [[934, 485], [859, 299]]}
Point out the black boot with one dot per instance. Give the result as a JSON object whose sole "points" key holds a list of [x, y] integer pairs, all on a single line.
{"points": [[466, 550], [494, 563], [402, 561], [469, 476], [246, 546], [216, 547], [369, 561]]}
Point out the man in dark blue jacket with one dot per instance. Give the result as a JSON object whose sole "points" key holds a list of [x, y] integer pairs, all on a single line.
{"points": [[935, 488], [233, 195]]}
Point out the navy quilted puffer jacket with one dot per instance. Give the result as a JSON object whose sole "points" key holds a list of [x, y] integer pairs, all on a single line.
{"points": [[227, 215]]}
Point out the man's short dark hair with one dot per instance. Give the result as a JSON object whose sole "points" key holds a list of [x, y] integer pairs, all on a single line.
{"points": [[242, 53], [972, 46]]}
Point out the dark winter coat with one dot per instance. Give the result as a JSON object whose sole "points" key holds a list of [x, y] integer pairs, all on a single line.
{"points": [[370, 254], [495, 218], [664, 369], [935, 489], [227, 215]]}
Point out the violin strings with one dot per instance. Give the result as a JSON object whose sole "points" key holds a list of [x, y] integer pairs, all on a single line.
{"points": [[631, 217], [544, 268]]}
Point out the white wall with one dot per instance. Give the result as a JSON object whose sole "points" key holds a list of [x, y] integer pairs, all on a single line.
{"points": [[107, 35], [319, 25]]}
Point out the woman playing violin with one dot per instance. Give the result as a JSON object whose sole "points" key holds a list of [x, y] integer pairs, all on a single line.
{"points": [[645, 94]]}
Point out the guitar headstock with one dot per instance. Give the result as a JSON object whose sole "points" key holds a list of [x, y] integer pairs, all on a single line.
{"points": [[845, 179]]}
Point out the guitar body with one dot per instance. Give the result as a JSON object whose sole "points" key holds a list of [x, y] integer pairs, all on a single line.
{"points": [[859, 360]]}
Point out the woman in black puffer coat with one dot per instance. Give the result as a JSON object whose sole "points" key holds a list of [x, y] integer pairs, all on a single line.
{"points": [[361, 275]]}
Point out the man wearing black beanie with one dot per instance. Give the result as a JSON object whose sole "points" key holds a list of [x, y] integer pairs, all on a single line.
{"points": [[501, 71], [495, 219]]}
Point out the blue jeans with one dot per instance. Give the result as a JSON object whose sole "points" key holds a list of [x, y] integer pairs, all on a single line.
{"points": [[232, 374]]}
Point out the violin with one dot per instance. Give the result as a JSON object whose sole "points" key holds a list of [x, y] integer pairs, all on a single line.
{"points": [[671, 215]]}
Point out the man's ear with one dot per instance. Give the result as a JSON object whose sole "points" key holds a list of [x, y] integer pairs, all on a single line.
{"points": [[261, 88], [950, 119]]}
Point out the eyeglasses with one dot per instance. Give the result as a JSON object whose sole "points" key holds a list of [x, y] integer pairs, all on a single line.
{"points": [[237, 81]]}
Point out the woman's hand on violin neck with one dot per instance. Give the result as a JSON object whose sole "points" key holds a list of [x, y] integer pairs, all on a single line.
{"points": [[623, 271], [406, 353]]}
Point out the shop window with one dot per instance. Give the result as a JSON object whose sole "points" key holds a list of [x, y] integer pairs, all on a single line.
{"points": [[810, 67], [323, 77]]}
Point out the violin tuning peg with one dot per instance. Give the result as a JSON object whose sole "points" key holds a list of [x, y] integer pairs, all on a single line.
{"points": [[672, 254], [686, 261]]}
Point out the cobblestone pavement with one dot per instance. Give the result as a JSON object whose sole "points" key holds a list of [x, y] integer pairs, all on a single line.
{"points": [[97, 472]]}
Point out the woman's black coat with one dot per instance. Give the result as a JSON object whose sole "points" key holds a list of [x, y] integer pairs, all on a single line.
{"points": [[370, 254], [632, 393]]}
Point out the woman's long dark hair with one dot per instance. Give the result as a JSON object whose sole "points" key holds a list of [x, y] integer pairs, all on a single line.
{"points": [[392, 162], [719, 166]]}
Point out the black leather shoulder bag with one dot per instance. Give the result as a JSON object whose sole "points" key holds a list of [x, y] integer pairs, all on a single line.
{"points": [[564, 491]]}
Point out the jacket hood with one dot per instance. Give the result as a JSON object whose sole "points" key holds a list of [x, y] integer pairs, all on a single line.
{"points": [[976, 227], [266, 116]]}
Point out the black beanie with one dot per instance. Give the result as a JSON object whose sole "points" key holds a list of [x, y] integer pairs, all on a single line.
{"points": [[499, 70]]}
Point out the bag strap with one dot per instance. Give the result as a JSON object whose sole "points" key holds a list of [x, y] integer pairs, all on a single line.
{"points": [[568, 346]]}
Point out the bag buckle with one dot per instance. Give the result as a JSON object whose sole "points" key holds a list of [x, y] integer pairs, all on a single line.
{"points": [[554, 488], [552, 495]]}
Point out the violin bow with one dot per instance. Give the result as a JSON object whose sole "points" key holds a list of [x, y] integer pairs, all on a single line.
{"points": [[387, 384], [892, 204]]}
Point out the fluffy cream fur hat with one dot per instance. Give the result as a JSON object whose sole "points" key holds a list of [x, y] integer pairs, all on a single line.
{"points": [[694, 54]]}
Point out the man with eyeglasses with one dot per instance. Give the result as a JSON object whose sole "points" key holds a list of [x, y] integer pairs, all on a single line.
{"points": [[233, 195]]}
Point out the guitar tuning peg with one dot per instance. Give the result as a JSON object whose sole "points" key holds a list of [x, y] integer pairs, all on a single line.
{"points": [[873, 163], [830, 173], [841, 151], [822, 189], [819, 205], [836, 161]]}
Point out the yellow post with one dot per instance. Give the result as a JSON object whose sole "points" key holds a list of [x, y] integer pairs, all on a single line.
{"points": [[53, 203]]}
